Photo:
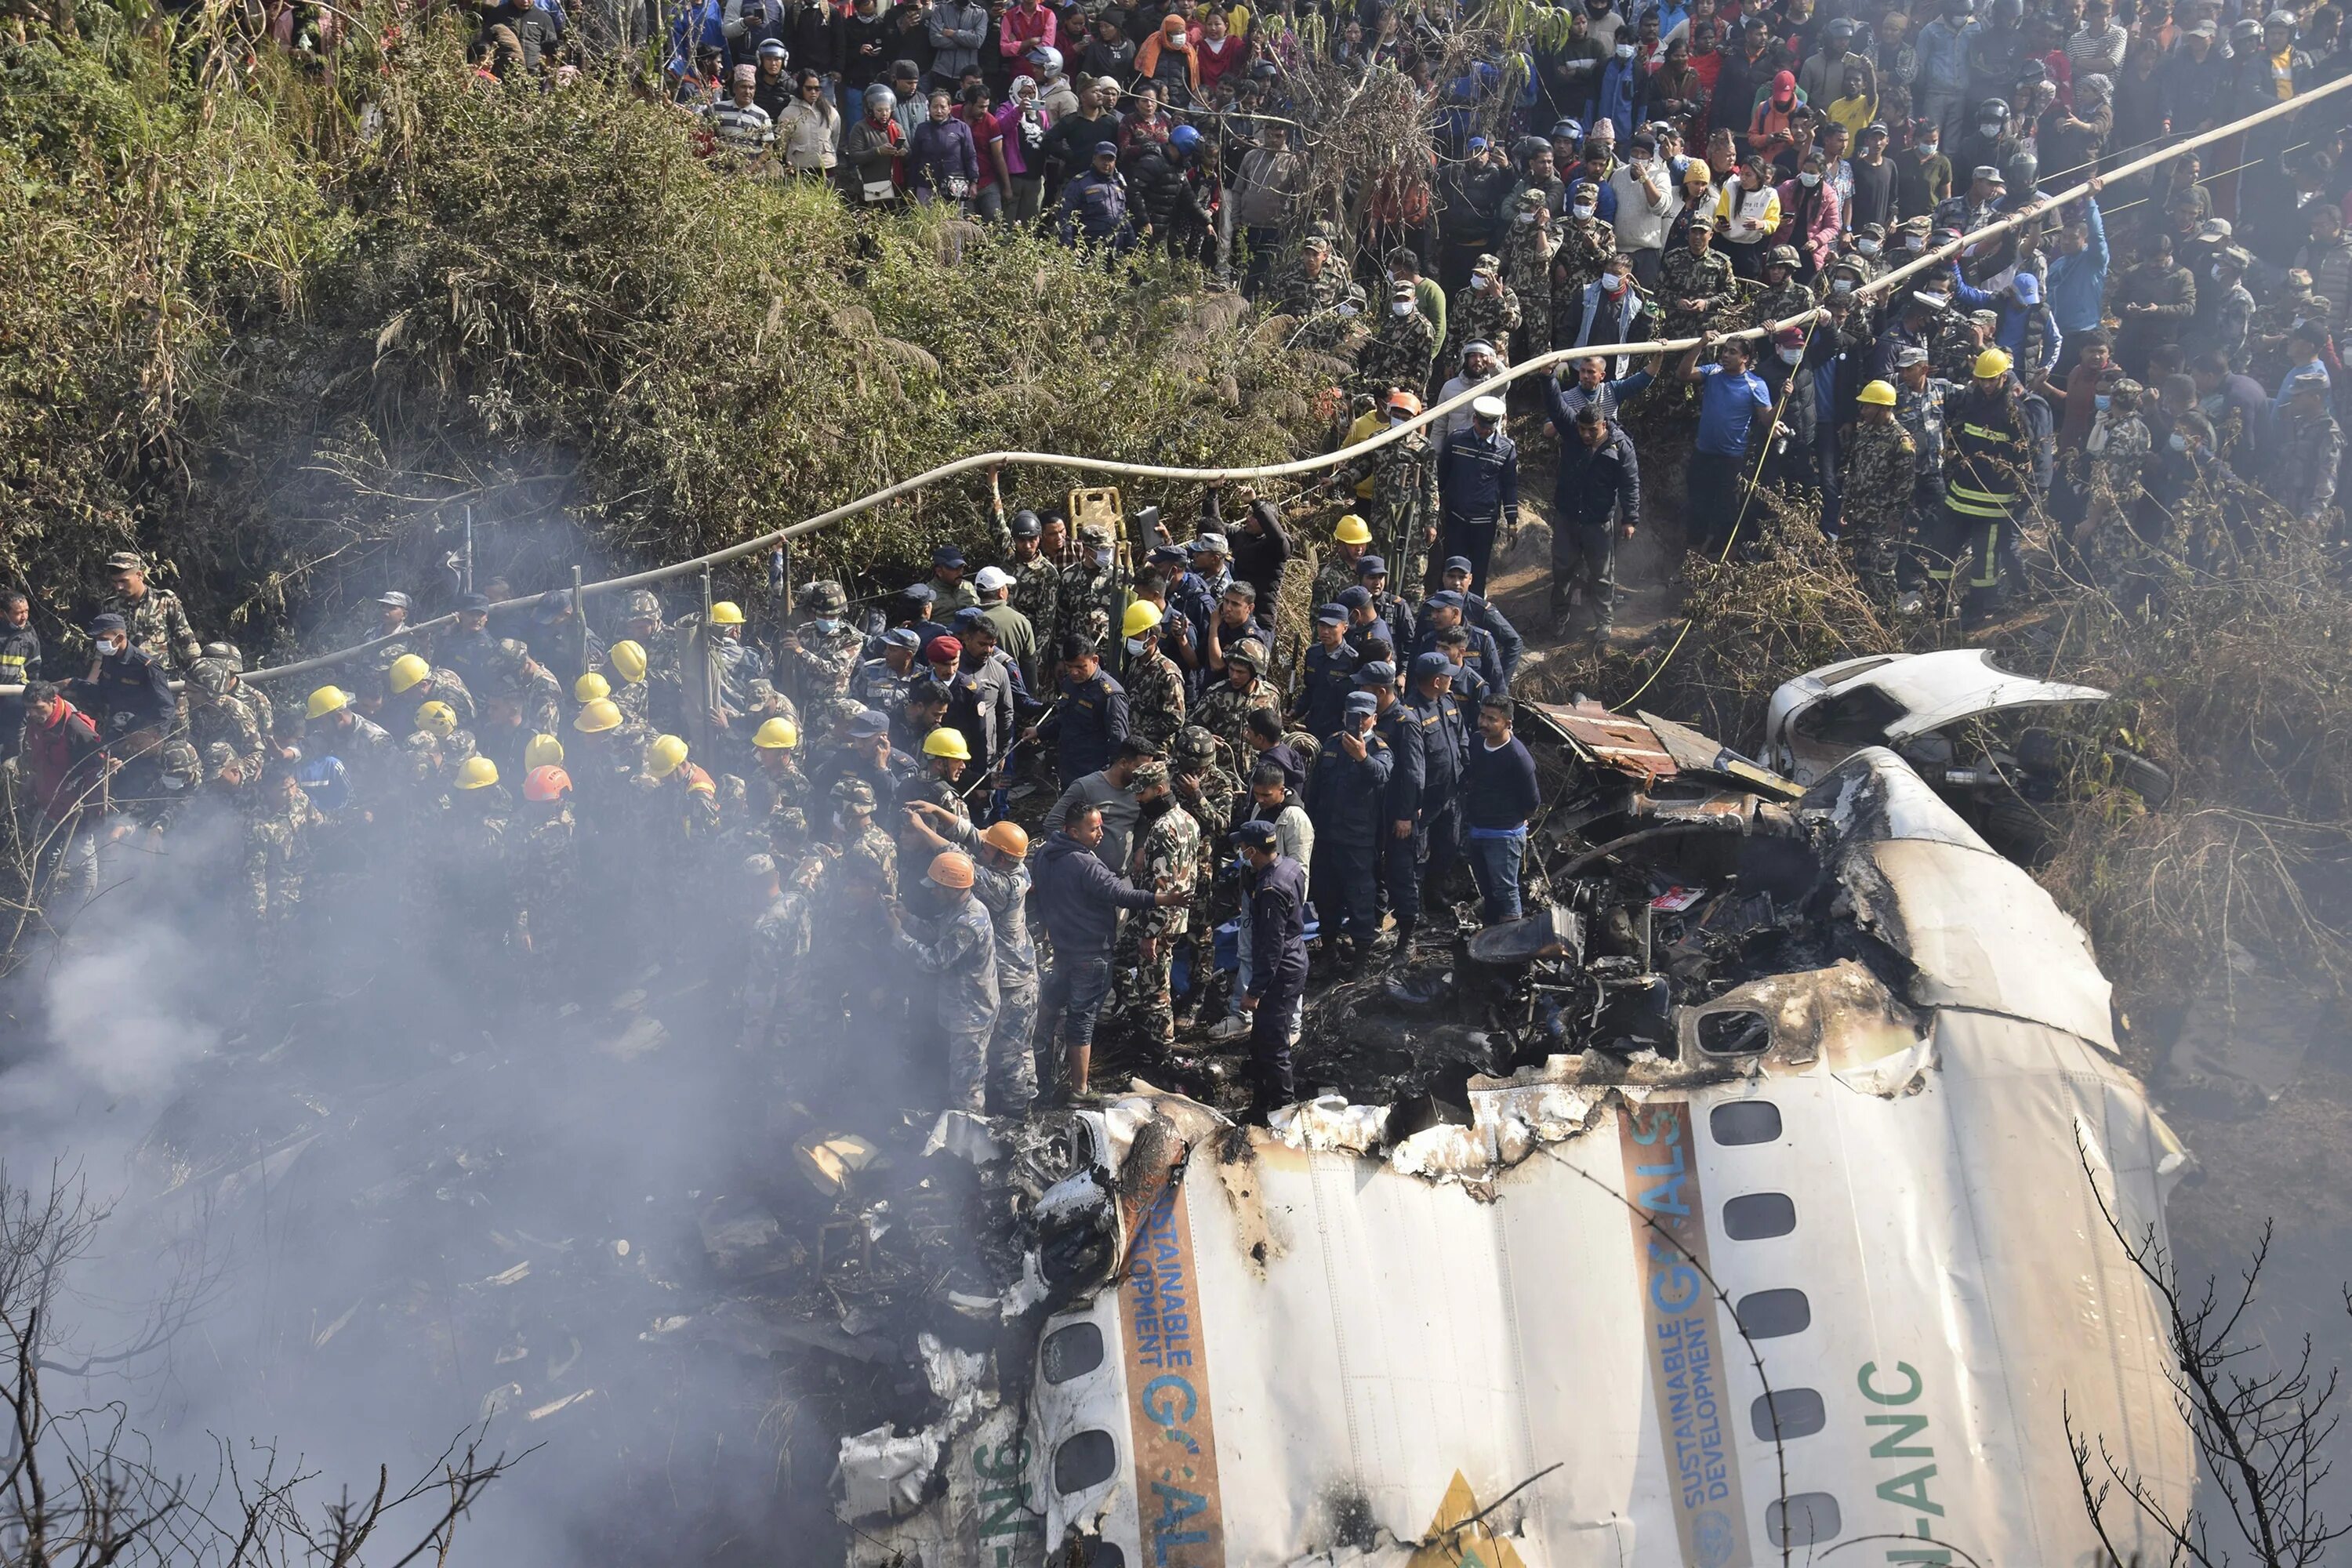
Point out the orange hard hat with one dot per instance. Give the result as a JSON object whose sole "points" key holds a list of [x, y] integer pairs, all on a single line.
{"points": [[546, 784], [951, 869], [1006, 838], [1404, 400]]}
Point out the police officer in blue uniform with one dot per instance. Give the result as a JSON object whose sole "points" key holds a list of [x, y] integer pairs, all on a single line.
{"points": [[1347, 799], [1444, 745], [1089, 719], [1327, 677]]}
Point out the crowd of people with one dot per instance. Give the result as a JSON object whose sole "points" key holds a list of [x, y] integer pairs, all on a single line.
{"points": [[2154, 366], [525, 787]]}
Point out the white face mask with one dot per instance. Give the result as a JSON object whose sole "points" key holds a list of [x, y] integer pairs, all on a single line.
{"points": [[1135, 645], [1584, 209], [1624, 51], [1866, 246], [1841, 285], [1103, 558], [1914, 242], [1612, 284], [1526, 218], [1928, 149], [1792, 356], [1809, 179], [1480, 282], [1989, 128], [1347, 310], [1401, 308]]}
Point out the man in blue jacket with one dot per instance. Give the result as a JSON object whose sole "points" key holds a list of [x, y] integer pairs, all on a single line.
{"points": [[1079, 902], [1478, 488], [1089, 719], [1345, 801], [1596, 501]]}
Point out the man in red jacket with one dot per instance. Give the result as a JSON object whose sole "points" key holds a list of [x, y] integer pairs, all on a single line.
{"points": [[68, 767]]}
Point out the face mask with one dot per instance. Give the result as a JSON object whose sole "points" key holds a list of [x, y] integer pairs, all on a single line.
{"points": [[2178, 442], [1526, 218], [1624, 51], [1348, 310], [1841, 285], [1402, 308], [1866, 246], [1989, 128], [1612, 284], [1914, 242], [828, 628], [2101, 400], [1480, 282], [117, 650], [1792, 356], [1103, 558], [1809, 179], [1135, 645], [1584, 209], [1928, 149]]}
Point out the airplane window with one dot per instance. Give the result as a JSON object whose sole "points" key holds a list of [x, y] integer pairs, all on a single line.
{"points": [[1085, 1460], [1795, 1412], [1069, 1352], [1745, 1121], [1803, 1520], [1768, 1314], [1735, 1032], [1753, 1216]]}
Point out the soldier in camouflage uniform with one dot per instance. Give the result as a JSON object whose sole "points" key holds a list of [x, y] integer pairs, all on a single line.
{"points": [[954, 942], [1399, 351], [1528, 246], [412, 683], [1783, 297], [276, 856], [1403, 505], [855, 835], [547, 883], [1206, 790], [1881, 478], [1166, 857], [264, 713], [1351, 540], [1225, 708], [1311, 283], [218, 714], [1585, 243], [1036, 587], [154, 617], [781, 934], [778, 790], [1695, 282], [1488, 312], [2309, 450], [1000, 881], [822, 656], [1155, 686], [1089, 599], [2119, 448]]}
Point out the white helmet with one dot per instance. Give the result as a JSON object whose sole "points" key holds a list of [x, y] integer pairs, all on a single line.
{"points": [[1046, 59], [880, 97]]}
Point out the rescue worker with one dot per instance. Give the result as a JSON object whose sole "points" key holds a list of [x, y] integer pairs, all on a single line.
{"points": [[1352, 539], [1985, 478], [278, 857], [1443, 749], [154, 620], [1881, 478], [1078, 900], [218, 714], [949, 938], [1155, 686], [1326, 675], [1404, 500], [1089, 719], [547, 878], [1596, 502], [412, 679], [777, 785], [783, 932], [946, 755], [1276, 886], [1001, 884], [853, 833], [1345, 798], [1226, 706], [1478, 488], [1166, 859], [1089, 599], [1399, 352], [126, 691], [1479, 614]]}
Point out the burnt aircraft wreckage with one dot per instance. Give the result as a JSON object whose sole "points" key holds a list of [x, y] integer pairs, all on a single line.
{"points": [[1753, 1199]]}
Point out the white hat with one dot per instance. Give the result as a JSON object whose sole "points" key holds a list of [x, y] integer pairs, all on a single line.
{"points": [[991, 578], [1489, 407]]}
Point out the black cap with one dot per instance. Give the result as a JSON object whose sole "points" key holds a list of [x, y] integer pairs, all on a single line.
{"points": [[473, 601], [1255, 834]]}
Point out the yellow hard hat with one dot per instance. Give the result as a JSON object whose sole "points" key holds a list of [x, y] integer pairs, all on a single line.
{"points": [[951, 869], [541, 751], [1352, 530], [1878, 394], [663, 755], [946, 742], [406, 671], [1142, 616], [589, 687], [479, 773], [777, 735], [1991, 362], [726, 612], [328, 700], [1006, 838], [598, 717], [436, 718], [628, 658]]}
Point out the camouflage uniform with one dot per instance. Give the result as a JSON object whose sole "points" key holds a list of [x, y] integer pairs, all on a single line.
{"points": [[2232, 328], [1335, 576], [1881, 478], [635, 700], [1684, 275], [226, 717], [959, 950], [1487, 316], [876, 685], [277, 857], [863, 839], [821, 661], [157, 624], [1397, 354], [2310, 453], [1005, 894], [446, 687], [1155, 697], [1779, 304], [1921, 414], [547, 894], [1036, 592], [1088, 600], [779, 807], [1404, 502], [1225, 710], [1586, 245], [1526, 252], [781, 938], [1166, 857], [1299, 295], [1210, 801]]}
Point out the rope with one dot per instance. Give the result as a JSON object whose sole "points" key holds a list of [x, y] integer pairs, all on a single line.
{"points": [[1378, 438]]}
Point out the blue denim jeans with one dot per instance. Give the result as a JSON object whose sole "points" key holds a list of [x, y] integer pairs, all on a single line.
{"points": [[1495, 862]]}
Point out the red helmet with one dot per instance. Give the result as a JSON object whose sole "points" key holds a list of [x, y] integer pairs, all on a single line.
{"points": [[550, 783]]}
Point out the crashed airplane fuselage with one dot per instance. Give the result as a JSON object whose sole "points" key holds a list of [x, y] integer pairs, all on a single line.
{"points": [[1835, 1271]]}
